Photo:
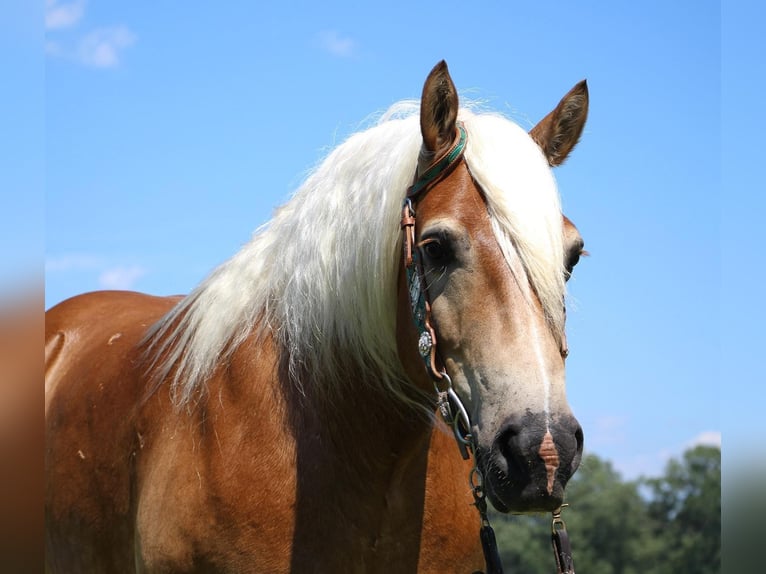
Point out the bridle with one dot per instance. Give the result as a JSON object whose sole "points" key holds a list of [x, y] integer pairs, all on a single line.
{"points": [[450, 406], [417, 289]]}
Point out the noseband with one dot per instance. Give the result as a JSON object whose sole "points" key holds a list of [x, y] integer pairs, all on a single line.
{"points": [[450, 406]]}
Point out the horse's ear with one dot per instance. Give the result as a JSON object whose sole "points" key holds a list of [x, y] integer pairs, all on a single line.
{"points": [[438, 109], [558, 133]]}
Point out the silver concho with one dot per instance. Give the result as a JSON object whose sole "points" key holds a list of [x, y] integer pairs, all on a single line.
{"points": [[425, 343]]}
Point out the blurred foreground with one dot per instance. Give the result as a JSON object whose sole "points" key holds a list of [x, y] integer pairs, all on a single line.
{"points": [[21, 430]]}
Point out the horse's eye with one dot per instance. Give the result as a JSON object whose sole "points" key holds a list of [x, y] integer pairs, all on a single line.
{"points": [[569, 266], [436, 251], [572, 259]]}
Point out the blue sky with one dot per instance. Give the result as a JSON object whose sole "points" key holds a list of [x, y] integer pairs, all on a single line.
{"points": [[172, 131]]}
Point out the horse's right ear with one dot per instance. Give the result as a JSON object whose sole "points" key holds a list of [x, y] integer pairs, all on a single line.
{"points": [[558, 133], [438, 109]]}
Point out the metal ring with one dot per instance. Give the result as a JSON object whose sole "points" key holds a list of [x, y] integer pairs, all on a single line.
{"points": [[476, 479], [437, 377], [557, 521], [461, 416]]}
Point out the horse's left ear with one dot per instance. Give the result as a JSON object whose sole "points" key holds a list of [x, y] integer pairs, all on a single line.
{"points": [[558, 133], [438, 109]]}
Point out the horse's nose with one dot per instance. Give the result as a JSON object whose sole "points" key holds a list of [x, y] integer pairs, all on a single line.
{"points": [[536, 449]]}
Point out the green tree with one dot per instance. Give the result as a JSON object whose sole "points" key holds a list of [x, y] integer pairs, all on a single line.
{"points": [[607, 524], [685, 507], [611, 518], [524, 543], [665, 525]]}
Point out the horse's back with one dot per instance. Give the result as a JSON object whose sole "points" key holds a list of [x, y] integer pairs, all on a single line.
{"points": [[93, 384], [94, 329]]}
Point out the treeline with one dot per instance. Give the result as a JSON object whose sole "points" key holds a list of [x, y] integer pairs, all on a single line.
{"points": [[665, 525]]}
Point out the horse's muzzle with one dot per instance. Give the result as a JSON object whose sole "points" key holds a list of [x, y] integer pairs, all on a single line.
{"points": [[530, 462]]}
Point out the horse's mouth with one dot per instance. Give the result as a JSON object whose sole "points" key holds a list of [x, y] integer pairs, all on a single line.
{"points": [[520, 492]]}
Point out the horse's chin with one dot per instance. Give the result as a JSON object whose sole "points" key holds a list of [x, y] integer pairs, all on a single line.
{"points": [[509, 494], [534, 501]]}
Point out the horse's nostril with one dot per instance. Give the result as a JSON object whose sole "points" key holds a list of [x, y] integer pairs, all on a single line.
{"points": [[518, 446], [579, 438], [512, 451], [577, 455]]}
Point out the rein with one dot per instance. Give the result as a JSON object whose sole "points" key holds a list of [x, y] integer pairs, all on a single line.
{"points": [[450, 406]]}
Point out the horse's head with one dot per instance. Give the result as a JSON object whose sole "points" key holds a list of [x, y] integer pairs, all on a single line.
{"points": [[495, 252]]}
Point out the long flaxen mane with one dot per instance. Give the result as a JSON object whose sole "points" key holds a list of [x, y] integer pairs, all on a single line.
{"points": [[321, 276]]}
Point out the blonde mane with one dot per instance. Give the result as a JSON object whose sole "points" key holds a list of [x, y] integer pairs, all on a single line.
{"points": [[321, 276]]}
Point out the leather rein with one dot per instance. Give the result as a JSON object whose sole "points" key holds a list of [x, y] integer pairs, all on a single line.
{"points": [[450, 406]]}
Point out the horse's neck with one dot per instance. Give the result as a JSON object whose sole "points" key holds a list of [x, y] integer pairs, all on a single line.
{"points": [[361, 430], [342, 483], [361, 471]]}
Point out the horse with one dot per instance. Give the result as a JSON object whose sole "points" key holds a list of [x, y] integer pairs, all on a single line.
{"points": [[285, 415]]}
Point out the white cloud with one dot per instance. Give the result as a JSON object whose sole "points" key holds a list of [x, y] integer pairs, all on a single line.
{"points": [[121, 277], [706, 438], [110, 275], [635, 465], [59, 16], [98, 48], [653, 464], [72, 262], [337, 45], [102, 47]]}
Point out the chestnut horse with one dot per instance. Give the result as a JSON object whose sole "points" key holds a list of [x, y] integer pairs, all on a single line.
{"points": [[281, 417]]}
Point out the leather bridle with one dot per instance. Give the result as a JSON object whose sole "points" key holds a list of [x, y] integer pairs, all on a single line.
{"points": [[450, 406]]}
